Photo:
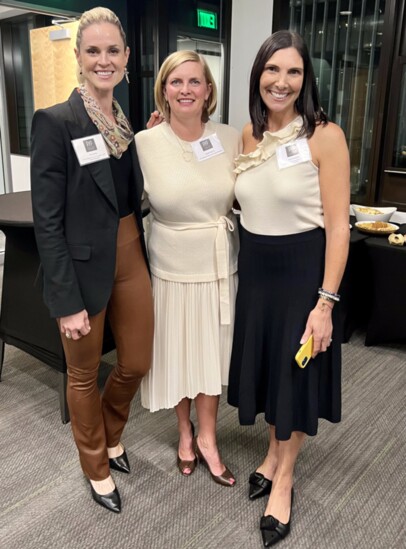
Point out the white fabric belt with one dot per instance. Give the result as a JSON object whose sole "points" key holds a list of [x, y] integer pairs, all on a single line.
{"points": [[222, 256]]}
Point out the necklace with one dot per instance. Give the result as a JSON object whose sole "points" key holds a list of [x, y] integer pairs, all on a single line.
{"points": [[187, 154]]}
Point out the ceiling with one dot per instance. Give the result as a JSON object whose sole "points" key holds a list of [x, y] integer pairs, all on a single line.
{"points": [[6, 12]]}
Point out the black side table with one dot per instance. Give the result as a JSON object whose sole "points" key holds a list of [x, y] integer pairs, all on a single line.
{"points": [[356, 286], [387, 322]]}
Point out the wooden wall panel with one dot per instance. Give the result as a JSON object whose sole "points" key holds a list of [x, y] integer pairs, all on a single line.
{"points": [[53, 65]]}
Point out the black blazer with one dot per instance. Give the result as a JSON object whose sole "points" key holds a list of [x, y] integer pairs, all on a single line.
{"points": [[75, 211]]}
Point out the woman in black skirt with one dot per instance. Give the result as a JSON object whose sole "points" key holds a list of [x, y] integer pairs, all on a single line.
{"points": [[293, 189]]}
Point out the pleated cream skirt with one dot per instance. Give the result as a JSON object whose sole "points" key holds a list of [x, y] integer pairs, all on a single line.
{"points": [[191, 352]]}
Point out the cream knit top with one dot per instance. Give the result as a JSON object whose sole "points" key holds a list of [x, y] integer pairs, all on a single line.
{"points": [[274, 200], [193, 236]]}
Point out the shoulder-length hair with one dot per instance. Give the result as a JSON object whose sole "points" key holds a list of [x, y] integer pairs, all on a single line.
{"points": [[170, 64], [308, 102]]}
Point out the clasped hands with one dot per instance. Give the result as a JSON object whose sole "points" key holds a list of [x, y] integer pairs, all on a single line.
{"points": [[75, 326]]}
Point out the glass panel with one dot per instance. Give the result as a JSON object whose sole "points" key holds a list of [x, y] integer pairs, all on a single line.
{"points": [[2, 184], [148, 104], [23, 83], [147, 63], [18, 77], [345, 40], [399, 153]]}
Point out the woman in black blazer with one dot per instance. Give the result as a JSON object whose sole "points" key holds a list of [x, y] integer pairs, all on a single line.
{"points": [[86, 194]]}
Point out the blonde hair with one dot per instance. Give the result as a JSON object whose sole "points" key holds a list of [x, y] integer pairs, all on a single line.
{"points": [[92, 17], [170, 64], [95, 16]]}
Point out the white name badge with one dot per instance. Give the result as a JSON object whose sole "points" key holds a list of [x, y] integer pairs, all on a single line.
{"points": [[294, 152], [90, 149], [206, 147]]}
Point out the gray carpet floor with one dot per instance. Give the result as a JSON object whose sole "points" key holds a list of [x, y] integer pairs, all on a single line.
{"points": [[350, 486]]}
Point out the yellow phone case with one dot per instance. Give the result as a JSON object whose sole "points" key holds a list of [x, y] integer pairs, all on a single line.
{"points": [[304, 354]]}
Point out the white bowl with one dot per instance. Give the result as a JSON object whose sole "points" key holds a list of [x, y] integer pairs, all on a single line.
{"points": [[384, 215], [371, 229]]}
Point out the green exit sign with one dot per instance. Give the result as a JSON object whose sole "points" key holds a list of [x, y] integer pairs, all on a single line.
{"points": [[207, 19]]}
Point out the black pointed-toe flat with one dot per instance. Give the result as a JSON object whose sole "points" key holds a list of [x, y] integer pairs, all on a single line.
{"points": [[259, 485], [120, 463], [273, 531]]}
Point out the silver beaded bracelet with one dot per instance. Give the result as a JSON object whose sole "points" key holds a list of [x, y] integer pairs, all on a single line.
{"points": [[329, 296]]}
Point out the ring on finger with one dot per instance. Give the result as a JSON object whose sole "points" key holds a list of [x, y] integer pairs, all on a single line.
{"points": [[68, 335]]}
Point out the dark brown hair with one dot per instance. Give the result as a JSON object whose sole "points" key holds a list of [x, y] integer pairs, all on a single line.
{"points": [[308, 102]]}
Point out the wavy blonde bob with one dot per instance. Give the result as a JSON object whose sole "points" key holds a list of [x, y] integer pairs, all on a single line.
{"points": [[170, 64]]}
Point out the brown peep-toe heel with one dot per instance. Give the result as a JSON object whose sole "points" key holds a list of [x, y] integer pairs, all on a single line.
{"points": [[225, 479], [184, 464]]}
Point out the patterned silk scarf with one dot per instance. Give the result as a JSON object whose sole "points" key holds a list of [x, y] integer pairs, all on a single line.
{"points": [[117, 136]]}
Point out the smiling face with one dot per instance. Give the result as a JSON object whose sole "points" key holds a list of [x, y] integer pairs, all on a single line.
{"points": [[102, 58], [281, 81], [186, 90]]}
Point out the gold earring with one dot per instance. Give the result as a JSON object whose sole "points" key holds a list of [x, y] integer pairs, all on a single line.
{"points": [[126, 75]]}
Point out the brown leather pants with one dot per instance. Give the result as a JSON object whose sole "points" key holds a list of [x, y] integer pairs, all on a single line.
{"points": [[98, 422]]}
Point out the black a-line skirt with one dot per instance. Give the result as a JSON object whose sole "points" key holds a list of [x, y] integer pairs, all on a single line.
{"points": [[278, 281]]}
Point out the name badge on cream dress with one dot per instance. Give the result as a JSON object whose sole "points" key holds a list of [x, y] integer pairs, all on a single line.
{"points": [[206, 147], [292, 153]]}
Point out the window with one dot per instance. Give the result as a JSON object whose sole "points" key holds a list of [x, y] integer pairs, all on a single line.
{"points": [[345, 41]]}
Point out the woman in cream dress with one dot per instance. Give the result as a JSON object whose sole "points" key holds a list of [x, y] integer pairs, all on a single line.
{"points": [[187, 163]]}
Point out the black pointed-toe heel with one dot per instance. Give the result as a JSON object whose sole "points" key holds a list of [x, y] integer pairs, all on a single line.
{"points": [[120, 463], [259, 485], [110, 501], [225, 479], [184, 464], [274, 531]]}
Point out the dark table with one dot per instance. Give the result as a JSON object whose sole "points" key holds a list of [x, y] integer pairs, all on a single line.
{"points": [[24, 319], [355, 289], [373, 289], [387, 318]]}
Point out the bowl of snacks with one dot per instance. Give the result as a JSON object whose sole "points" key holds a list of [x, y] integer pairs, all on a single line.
{"points": [[376, 227], [367, 213]]}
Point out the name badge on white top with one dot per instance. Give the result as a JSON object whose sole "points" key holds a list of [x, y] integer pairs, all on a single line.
{"points": [[90, 149], [206, 147], [294, 152]]}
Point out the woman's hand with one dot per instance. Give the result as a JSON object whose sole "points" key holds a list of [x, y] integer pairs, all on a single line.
{"points": [[75, 326], [155, 119], [320, 325]]}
